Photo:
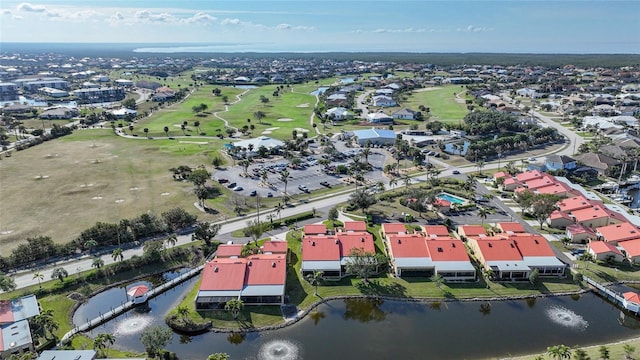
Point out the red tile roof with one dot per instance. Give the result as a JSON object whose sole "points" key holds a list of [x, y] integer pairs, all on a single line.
{"points": [[619, 232], [447, 250], [632, 297], [575, 203], [320, 248], [540, 182], [223, 274], [354, 240], [275, 247], [632, 247], [555, 189], [393, 228], [529, 175], [437, 230], [500, 174], [515, 227], [315, 229], [532, 245], [575, 229], [559, 215], [472, 230], [355, 226], [266, 270], [596, 212], [498, 249], [229, 250], [408, 246], [603, 247]]}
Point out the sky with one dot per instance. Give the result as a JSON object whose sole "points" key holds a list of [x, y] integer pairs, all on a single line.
{"points": [[515, 26]]}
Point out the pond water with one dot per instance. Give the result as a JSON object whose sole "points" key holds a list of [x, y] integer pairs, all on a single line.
{"points": [[449, 148], [319, 90], [377, 329]]}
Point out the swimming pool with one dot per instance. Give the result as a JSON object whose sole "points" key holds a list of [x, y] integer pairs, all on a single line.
{"points": [[451, 198]]}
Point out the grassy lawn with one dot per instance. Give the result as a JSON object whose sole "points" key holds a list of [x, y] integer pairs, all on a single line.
{"points": [[90, 176], [441, 101], [616, 351]]}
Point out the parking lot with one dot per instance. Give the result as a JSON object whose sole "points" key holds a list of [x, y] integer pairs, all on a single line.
{"points": [[306, 178]]}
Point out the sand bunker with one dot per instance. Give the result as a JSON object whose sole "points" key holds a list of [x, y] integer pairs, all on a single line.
{"points": [[301, 130], [426, 89], [96, 198], [266, 132], [164, 194], [41, 177], [272, 129], [134, 189], [194, 142], [6, 232], [305, 105], [119, 201], [86, 185], [285, 119]]}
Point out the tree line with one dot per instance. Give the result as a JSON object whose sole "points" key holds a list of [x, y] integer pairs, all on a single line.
{"points": [[99, 235]]}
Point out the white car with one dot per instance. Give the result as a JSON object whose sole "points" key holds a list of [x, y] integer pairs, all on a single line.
{"points": [[238, 188]]}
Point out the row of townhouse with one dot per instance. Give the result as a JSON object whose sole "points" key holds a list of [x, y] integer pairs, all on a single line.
{"points": [[609, 232]]}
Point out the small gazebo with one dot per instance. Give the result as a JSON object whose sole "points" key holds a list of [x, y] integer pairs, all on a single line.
{"points": [[138, 293]]}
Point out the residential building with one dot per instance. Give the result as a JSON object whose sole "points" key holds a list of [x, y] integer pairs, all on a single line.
{"points": [[379, 118], [15, 333], [374, 136], [619, 232], [405, 114], [604, 251]]}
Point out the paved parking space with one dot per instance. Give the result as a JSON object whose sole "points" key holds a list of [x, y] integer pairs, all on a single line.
{"points": [[310, 175]]}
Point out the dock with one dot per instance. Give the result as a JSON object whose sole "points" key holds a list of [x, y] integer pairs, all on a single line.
{"points": [[628, 301], [128, 305]]}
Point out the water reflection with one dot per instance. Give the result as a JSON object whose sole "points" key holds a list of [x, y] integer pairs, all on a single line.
{"points": [[485, 308], [316, 316], [236, 338], [364, 310]]}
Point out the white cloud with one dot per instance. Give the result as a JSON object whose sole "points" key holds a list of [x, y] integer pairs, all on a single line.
{"points": [[286, 27], [6, 12], [228, 21], [147, 16], [406, 30], [31, 8], [201, 18], [472, 28]]}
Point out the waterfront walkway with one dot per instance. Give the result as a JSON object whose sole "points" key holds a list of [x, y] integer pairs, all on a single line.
{"points": [[128, 305]]}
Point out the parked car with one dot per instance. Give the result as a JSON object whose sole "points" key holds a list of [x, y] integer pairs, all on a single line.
{"points": [[222, 181], [238, 188], [269, 194], [325, 183], [253, 193], [505, 195], [303, 188], [456, 172], [232, 185]]}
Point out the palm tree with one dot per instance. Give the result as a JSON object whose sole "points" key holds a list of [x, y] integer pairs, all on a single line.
{"points": [[59, 273], [480, 166], [46, 322], [184, 129], [259, 115], [146, 131], [197, 125], [393, 182], [166, 131], [172, 239], [278, 210], [131, 129], [97, 262], [234, 305], [38, 275], [284, 177], [315, 279], [117, 254], [183, 311], [365, 154], [483, 212], [559, 352], [102, 342]]}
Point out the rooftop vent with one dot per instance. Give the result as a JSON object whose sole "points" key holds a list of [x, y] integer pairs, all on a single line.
{"points": [[313, 243], [249, 263], [536, 241], [362, 239], [489, 245], [337, 241], [439, 249], [215, 269], [453, 244], [399, 242], [512, 245], [273, 264]]}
